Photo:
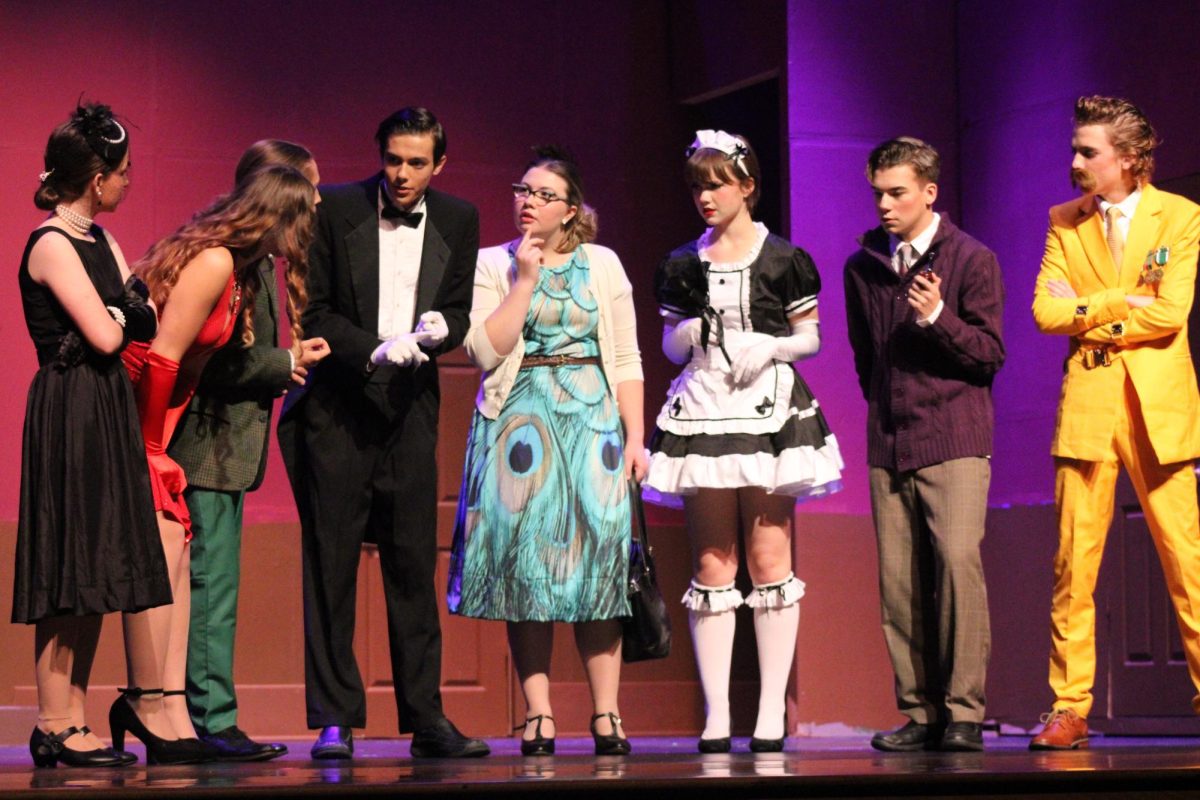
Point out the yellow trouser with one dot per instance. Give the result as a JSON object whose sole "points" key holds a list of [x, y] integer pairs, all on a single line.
{"points": [[1084, 493]]}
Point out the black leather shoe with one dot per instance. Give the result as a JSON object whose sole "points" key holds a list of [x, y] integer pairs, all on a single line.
{"points": [[539, 745], [334, 742], [766, 745], [966, 736], [609, 744], [48, 750], [232, 744], [443, 740], [910, 738], [721, 745]]}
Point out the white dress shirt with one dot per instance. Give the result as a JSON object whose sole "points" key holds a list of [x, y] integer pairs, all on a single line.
{"points": [[400, 250]]}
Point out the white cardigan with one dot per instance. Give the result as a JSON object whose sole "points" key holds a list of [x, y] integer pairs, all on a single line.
{"points": [[619, 355]]}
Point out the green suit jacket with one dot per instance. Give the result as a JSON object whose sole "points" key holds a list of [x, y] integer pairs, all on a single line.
{"points": [[221, 442]]}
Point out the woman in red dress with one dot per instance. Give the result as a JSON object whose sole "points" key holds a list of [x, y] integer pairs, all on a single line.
{"points": [[201, 278]]}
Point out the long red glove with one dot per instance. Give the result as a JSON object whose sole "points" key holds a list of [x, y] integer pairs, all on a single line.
{"points": [[153, 399]]}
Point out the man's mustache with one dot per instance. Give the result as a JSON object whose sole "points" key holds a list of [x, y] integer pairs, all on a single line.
{"points": [[1083, 180]]}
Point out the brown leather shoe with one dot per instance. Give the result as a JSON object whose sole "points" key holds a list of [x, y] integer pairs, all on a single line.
{"points": [[1063, 730]]}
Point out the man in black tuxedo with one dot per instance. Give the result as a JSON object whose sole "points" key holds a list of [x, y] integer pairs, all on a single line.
{"points": [[391, 272]]}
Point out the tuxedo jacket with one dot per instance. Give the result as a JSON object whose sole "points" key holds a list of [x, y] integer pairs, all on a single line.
{"points": [[1151, 342], [221, 442], [343, 290]]}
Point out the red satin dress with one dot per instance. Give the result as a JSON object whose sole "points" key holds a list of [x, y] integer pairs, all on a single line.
{"points": [[164, 389]]}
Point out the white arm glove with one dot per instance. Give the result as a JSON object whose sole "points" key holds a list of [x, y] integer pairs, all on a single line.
{"points": [[805, 341], [402, 350], [679, 337]]}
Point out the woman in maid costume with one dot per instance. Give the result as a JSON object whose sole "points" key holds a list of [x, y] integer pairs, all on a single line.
{"points": [[740, 437]]}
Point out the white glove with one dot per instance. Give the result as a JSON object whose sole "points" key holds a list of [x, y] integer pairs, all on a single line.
{"points": [[403, 350], [432, 328], [680, 336], [748, 364]]}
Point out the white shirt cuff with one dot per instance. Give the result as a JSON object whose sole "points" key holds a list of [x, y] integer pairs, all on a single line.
{"points": [[932, 318]]}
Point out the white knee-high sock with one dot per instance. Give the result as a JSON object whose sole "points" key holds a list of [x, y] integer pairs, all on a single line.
{"points": [[711, 619], [776, 621]]}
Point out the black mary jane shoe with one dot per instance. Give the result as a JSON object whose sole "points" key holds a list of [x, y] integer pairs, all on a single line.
{"points": [[539, 745], [49, 750], [720, 745], [612, 744]]}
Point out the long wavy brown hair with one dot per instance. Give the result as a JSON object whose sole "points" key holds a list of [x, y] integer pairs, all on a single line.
{"points": [[274, 204]]}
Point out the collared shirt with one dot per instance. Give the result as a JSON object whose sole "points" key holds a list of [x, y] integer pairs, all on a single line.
{"points": [[1128, 207], [400, 250], [919, 244]]}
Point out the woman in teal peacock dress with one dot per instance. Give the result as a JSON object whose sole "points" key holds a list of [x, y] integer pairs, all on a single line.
{"points": [[543, 525]]}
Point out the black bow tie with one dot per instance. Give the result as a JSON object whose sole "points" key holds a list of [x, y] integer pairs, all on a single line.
{"points": [[410, 218]]}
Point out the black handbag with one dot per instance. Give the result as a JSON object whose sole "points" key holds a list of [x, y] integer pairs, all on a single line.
{"points": [[646, 633]]}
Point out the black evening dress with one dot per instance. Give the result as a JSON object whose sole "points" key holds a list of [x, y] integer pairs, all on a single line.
{"points": [[87, 537]]}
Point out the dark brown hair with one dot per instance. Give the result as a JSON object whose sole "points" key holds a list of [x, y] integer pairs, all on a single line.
{"points": [[921, 156], [88, 144], [416, 120], [272, 151]]}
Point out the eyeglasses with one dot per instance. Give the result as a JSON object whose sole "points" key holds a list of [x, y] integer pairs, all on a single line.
{"points": [[541, 197]]}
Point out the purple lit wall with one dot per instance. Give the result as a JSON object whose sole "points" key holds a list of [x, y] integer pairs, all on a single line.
{"points": [[1019, 75], [992, 88]]}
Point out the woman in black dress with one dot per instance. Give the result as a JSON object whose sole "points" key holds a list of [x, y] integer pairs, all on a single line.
{"points": [[87, 540]]}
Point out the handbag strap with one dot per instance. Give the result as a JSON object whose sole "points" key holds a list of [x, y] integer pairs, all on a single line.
{"points": [[638, 519]]}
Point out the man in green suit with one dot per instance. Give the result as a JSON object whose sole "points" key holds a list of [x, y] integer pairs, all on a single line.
{"points": [[222, 446]]}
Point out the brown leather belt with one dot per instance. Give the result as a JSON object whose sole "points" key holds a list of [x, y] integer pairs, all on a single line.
{"points": [[557, 361]]}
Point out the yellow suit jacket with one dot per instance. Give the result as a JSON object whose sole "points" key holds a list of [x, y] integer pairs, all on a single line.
{"points": [[1151, 342]]}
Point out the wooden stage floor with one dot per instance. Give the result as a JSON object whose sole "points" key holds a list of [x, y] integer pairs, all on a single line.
{"points": [[659, 768]]}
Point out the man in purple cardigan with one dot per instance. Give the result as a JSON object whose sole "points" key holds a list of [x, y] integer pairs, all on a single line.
{"points": [[923, 305]]}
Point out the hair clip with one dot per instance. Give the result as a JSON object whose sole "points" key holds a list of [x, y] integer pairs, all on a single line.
{"points": [[43, 175]]}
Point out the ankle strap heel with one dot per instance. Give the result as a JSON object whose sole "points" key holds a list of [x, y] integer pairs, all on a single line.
{"points": [[539, 745], [612, 744]]}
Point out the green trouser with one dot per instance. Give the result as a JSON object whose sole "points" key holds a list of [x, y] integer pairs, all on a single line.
{"points": [[216, 569]]}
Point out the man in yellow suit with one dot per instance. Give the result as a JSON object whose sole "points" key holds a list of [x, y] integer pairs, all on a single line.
{"points": [[1117, 277]]}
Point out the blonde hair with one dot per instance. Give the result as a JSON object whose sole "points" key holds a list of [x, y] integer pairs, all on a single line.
{"points": [[275, 201]]}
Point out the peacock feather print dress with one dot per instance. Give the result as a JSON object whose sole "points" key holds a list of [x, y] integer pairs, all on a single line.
{"points": [[542, 530]]}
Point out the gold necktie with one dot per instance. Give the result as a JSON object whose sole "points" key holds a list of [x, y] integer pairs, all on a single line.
{"points": [[1116, 243]]}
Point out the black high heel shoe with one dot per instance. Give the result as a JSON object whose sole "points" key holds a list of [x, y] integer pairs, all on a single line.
{"points": [[539, 745], [612, 744], [720, 745], [122, 718], [49, 749]]}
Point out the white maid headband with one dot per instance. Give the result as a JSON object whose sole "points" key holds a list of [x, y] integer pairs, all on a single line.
{"points": [[733, 148]]}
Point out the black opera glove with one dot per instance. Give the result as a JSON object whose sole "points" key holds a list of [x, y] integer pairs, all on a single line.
{"points": [[141, 321]]}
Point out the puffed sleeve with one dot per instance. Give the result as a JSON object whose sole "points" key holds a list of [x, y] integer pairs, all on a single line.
{"points": [[799, 284], [681, 285]]}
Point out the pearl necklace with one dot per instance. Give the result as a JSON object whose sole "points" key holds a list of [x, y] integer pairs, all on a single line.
{"points": [[75, 221]]}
